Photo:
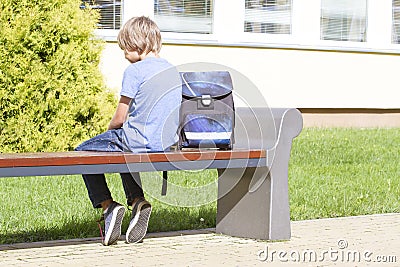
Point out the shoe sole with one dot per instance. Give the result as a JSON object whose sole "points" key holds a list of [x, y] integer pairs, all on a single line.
{"points": [[115, 224], [138, 227]]}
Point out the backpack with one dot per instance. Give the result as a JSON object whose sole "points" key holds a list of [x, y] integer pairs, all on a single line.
{"points": [[207, 112]]}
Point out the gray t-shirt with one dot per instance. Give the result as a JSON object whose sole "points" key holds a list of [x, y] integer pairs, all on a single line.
{"points": [[155, 87]]}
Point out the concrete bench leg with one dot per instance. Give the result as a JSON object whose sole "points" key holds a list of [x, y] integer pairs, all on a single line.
{"points": [[247, 208]]}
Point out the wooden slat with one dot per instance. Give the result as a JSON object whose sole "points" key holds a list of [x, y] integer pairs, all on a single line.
{"points": [[94, 158]]}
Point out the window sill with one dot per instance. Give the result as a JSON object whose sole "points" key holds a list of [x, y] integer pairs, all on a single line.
{"points": [[275, 42]]}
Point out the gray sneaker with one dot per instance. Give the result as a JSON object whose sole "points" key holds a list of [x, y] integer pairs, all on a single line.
{"points": [[139, 221], [112, 223]]}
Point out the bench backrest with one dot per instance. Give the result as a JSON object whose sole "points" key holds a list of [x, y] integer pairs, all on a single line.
{"points": [[264, 128], [255, 128]]}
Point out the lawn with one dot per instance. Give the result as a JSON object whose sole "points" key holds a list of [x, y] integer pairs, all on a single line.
{"points": [[344, 172], [332, 173]]}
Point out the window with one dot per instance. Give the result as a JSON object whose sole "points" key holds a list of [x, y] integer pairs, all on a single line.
{"points": [[110, 12], [344, 20], [351, 25], [268, 16], [186, 16], [396, 22]]}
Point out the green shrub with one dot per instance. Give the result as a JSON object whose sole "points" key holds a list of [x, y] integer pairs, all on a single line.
{"points": [[52, 94]]}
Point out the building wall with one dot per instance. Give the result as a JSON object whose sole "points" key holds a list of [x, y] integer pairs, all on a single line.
{"points": [[333, 82], [289, 77]]}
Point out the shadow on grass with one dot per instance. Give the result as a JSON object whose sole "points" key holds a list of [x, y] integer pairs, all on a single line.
{"points": [[182, 218], [87, 231], [71, 230]]}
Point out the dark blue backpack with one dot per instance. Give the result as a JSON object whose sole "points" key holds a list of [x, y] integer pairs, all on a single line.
{"points": [[207, 113]]}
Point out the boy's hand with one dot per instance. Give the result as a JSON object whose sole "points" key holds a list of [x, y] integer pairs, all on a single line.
{"points": [[120, 114]]}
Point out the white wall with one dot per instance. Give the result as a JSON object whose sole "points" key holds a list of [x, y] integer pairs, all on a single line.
{"points": [[290, 77]]}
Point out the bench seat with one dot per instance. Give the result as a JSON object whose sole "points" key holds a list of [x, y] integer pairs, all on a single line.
{"points": [[85, 162]]}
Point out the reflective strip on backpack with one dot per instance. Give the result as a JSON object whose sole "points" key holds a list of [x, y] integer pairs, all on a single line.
{"points": [[208, 135]]}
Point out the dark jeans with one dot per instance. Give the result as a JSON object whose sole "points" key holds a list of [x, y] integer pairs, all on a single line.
{"points": [[110, 141]]}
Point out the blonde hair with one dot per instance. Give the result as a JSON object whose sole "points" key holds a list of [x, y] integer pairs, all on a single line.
{"points": [[140, 34]]}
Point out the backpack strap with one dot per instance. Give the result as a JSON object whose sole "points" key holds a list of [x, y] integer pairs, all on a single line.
{"points": [[164, 183]]}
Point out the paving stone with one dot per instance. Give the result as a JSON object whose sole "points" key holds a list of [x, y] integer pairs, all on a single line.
{"points": [[323, 242]]}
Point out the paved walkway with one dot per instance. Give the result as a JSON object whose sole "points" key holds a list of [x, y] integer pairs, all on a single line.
{"points": [[372, 240]]}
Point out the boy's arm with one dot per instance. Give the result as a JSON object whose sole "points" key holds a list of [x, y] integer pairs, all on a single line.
{"points": [[120, 114]]}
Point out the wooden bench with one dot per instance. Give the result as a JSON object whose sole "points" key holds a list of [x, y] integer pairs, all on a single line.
{"points": [[253, 177]]}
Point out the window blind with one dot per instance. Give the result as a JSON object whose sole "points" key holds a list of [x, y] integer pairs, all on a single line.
{"points": [[110, 12], [396, 22], [344, 20], [187, 16], [268, 16]]}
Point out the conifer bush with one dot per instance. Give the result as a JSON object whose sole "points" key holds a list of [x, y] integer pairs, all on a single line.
{"points": [[52, 94]]}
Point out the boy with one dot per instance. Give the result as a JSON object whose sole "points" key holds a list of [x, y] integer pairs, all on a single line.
{"points": [[146, 120]]}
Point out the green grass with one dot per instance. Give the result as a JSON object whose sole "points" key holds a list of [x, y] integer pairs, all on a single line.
{"points": [[344, 172], [51, 208], [332, 172]]}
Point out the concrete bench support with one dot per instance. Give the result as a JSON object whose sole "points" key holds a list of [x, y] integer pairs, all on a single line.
{"points": [[254, 202]]}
